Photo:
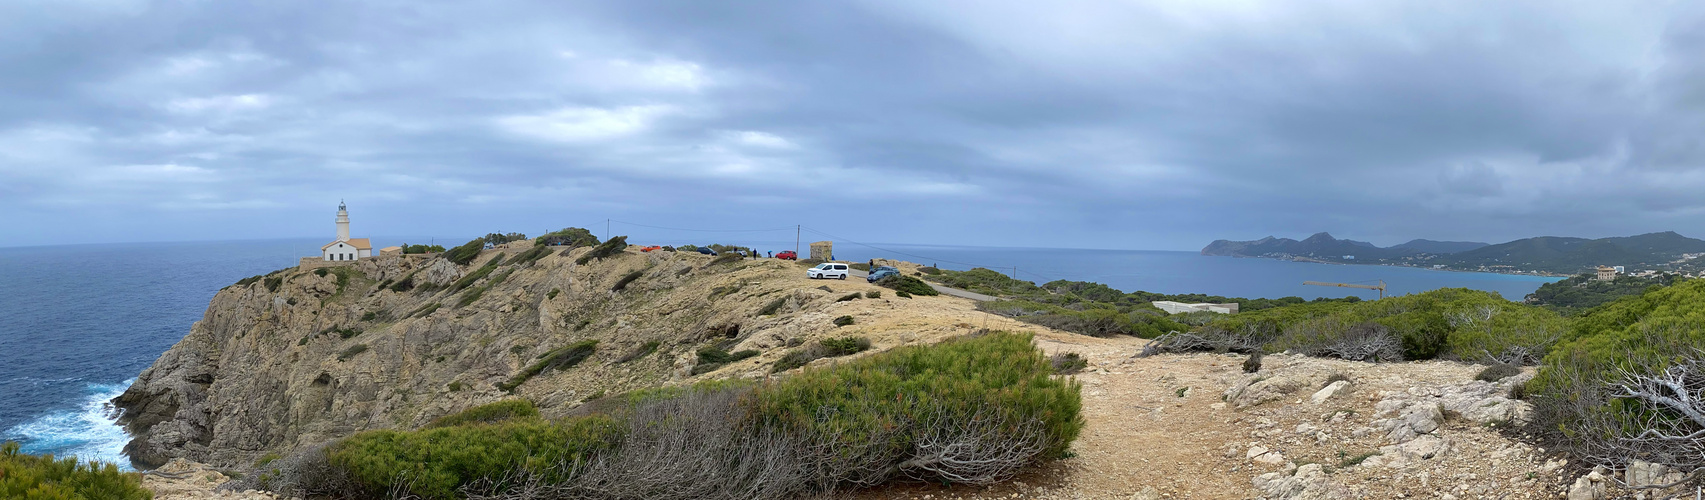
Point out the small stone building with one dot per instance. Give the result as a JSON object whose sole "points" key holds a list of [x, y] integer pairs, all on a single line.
{"points": [[823, 250]]}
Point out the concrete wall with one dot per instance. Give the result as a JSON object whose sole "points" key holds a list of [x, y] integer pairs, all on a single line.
{"points": [[823, 250]]}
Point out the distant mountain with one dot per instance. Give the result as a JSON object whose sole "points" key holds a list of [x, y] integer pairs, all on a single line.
{"points": [[1573, 255], [1440, 247], [1550, 254], [1320, 245]]}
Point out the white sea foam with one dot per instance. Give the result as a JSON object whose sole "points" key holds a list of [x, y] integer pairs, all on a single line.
{"points": [[87, 432]]}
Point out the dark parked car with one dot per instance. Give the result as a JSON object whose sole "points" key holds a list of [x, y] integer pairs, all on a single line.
{"points": [[880, 272], [707, 251]]}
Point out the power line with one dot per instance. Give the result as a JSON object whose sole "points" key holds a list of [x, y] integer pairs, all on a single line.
{"points": [[774, 229]]}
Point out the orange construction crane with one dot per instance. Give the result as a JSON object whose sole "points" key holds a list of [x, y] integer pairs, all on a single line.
{"points": [[1380, 286]]}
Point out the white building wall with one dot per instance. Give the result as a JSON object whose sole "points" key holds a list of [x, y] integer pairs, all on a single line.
{"points": [[342, 251]]}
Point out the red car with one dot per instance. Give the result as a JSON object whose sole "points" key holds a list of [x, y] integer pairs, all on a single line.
{"points": [[787, 255], [650, 248]]}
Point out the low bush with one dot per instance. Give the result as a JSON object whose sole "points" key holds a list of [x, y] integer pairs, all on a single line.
{"points": [[873, 294], [465, 253], [30, 477], [1253, 364], [532, 255], [571, 237], [561, 358], [351, 352], [970, 410], [489, 413], [1330, 337], [908, 285], [627, 278], [902, 294], [501, 238], [404, 285], [414, 249], [470, 278], [272, 283], [1626, 387], [1092, 321], [553, 293], [984, 281], [727, 258], [826, 348], [643, 350], [436, 464], [249, 280], [604, 250], [848, 297], [425, 310], [711, 358], [1498, 371], [1067, 363], [844, 321], [773, 307]]}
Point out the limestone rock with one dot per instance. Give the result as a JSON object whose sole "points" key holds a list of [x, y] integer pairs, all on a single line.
{"points": [[1310, 482], [1329, 391], [1589, 487]]}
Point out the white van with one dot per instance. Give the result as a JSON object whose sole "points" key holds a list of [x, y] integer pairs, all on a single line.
{"points": [[827, 270]]}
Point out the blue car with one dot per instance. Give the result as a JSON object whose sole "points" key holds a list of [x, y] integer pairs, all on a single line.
{"points": [[707, 251], [879, 272]]}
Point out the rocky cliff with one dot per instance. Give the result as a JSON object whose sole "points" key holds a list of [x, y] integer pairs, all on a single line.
{"points": [[297, 357]]}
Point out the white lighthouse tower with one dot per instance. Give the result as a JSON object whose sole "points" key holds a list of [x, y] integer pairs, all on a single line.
{"points": [[344, 247], [342, 222]]}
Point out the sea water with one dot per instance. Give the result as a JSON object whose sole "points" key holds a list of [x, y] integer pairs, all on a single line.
{"points": [[78, 323]]}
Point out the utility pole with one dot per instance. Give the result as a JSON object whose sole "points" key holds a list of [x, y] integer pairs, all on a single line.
{"points": [[796, 231]]}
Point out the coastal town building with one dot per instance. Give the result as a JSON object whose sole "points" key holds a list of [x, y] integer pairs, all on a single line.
{"points": [[1180, 307], [1606, 273], [345, 248]]}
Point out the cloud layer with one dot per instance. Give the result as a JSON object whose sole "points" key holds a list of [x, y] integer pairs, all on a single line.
{"points": [[1080, 124]]}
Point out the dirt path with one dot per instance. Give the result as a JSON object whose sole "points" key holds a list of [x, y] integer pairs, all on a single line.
{"points": [[1157, 427]]}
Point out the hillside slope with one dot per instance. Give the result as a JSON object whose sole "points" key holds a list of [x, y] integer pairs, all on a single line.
{"points": [[298, 358]]}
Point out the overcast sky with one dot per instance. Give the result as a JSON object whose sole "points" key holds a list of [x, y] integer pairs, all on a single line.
{"points": [[1147, 125]]}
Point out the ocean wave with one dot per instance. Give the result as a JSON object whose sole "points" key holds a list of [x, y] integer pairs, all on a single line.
{"points": [[88, 432]]}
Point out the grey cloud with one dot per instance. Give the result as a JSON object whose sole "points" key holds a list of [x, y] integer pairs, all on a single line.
{"points": [[1081, 123]]}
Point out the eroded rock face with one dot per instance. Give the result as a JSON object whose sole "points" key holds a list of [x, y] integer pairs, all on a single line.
{"points": [[302, 358]]}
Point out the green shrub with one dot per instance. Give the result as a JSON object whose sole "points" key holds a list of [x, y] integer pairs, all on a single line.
{"points": [[627, 278], [558, 359], [465, 253], [908, 285], [344, 332], [773, 307], [272, 283], [643, 350], [1498, 371], [984, 281], [321, 272], [470, 278], [1578, 396], [404, 285], [434, 463], [501, 238], [873, 294], [1253, 363], [826, 348], [1089, 319], [931, 271], [416, 249], [727, 258], [571, 237], [1067, 363], [902, 294], [30, 477], [874, 411], [553, 293], [351, 352], [844, 321], [604, 250], [489, 413], [711, 358], [843, 346], [249, 280], [531, 255], [848, 297], [425, 310]]}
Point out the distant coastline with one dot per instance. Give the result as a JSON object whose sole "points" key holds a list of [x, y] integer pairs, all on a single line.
{"points": [[1550, 256]]}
